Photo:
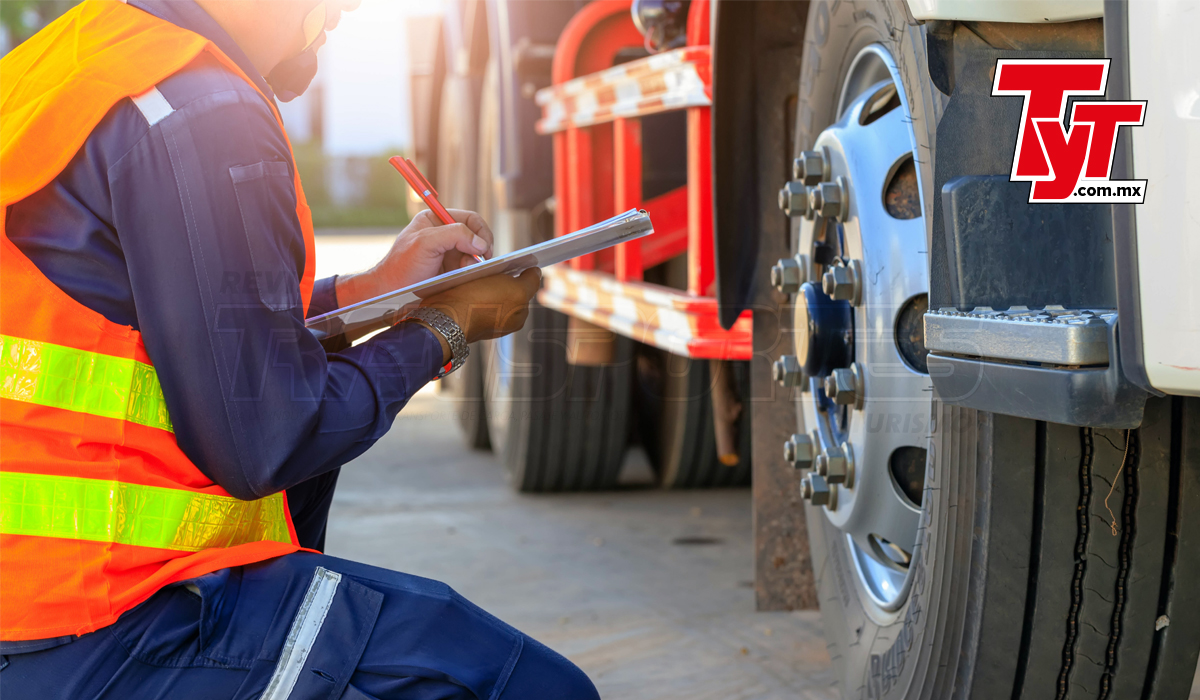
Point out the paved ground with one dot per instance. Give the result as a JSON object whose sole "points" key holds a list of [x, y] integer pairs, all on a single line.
{"points": [[605, 579]]}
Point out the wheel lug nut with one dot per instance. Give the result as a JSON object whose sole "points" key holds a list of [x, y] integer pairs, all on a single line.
{"points": [[837, 466], [785, 276], [818, 491], [838, 283], [845, 386], [839, 386], [789, 273], [815, 199], [828, 199], [798, 451], [848, 456], [794, 199], [843, 282], [811, 167], [787, 371]]}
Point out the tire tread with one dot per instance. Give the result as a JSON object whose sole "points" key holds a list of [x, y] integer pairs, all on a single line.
{"points": [[568, 428]]}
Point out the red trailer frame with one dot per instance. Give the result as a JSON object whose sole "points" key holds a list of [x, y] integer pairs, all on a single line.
{"points": [[593, 111]]}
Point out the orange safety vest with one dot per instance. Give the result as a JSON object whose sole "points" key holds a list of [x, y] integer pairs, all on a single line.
{"points": [[99, 508]]}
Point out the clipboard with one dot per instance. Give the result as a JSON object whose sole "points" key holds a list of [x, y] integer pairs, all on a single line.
{"points": [[387, 309]]}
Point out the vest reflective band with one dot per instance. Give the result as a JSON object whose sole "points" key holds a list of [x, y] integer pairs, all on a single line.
{"points": [[99, 506], [144, 516], [77, 380]]}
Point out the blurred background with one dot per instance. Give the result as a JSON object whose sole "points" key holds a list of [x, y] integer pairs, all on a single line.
{"points": [[355, 115]]}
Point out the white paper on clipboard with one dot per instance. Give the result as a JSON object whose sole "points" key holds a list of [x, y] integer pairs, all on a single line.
{"points": [[386, 309]]}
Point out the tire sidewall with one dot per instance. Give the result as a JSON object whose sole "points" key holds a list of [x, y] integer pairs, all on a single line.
{"points": [[877, 654]]}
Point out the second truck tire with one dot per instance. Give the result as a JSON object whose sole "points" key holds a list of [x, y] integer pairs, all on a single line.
{"points": [[556, 426]]}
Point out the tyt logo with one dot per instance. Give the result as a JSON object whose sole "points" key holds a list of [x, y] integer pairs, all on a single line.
{"points": [[1068, 163]]}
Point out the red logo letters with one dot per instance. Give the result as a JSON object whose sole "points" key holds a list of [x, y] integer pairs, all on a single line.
{"points": [[1072, 162]]}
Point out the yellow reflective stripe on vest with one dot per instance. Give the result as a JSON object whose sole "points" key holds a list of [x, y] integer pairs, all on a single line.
{"points": [[77, 380], [144, 516]]}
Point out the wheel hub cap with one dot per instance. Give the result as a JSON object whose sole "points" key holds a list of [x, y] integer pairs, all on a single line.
{"points": [[824, 334]]}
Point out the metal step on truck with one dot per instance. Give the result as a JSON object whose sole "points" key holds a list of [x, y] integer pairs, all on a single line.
{"points": [[927, 271]]}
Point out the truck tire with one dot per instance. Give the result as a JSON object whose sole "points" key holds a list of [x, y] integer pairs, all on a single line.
{"points": [[458, 129], [1020, 583], [556, 426], [1019, 588], [675, 421]]}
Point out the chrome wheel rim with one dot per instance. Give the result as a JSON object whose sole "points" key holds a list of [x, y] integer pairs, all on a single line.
{"points": [[876, 511]]}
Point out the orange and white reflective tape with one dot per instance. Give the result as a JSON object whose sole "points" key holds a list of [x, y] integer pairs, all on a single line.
{"points": [[669, 319], [671, 80]]}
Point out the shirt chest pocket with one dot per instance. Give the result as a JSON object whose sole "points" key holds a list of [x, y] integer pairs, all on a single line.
{"points": [[266, 197]]}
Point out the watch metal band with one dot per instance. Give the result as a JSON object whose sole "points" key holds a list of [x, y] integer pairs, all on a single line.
{"points": [[443, 324]]}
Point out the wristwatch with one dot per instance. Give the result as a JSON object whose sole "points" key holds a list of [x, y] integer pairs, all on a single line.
{"points": [[444, 325]]}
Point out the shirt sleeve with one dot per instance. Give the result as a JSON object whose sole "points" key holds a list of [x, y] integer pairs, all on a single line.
{"points": [[324, 300], [205, 209], [324, 297]]}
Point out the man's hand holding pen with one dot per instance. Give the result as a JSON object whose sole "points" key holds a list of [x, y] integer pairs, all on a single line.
{"points": [[424, 249], [485, 308]]}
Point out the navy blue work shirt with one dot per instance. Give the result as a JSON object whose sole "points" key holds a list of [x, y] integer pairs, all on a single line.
{"points": [[186, 230]]}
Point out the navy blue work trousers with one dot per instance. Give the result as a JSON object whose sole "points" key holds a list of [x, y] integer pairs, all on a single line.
{"points": [[300, 627]]}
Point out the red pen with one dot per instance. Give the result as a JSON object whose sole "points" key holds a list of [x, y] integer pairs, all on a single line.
{"points": [[422, 186]]}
